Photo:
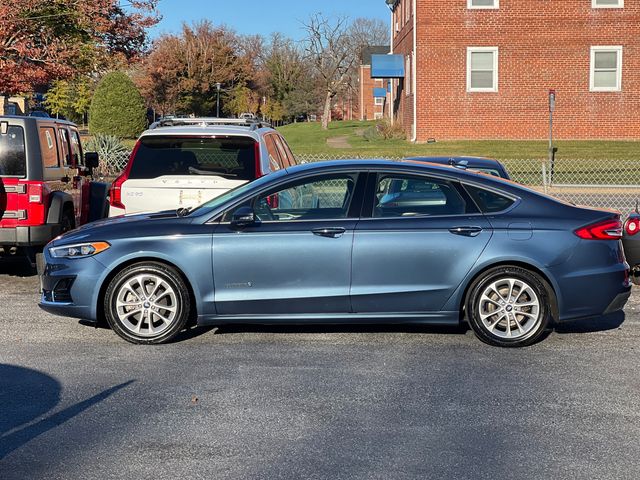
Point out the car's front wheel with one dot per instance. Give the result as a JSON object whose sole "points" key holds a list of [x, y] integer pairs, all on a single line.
{"points": [[147, 303], [508, 307]]}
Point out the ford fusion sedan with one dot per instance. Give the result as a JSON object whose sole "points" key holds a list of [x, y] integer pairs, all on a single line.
{"points": [[347, 241]]}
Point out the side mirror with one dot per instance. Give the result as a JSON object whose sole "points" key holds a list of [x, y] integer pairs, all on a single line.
{"points": [[244, 217], [91, 160]]}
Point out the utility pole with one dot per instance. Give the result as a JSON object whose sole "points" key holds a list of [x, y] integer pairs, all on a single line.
{"points": [[218, 100]]}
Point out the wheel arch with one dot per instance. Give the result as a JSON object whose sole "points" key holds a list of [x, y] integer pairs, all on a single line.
{"points": [[132, 261], [547, 282], [58, 203]]}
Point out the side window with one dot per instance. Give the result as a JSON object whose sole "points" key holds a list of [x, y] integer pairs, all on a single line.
{"points": [[320, 198], [274, 158], [76, 148], [49, 147], [410, 196], [281, 150], [66, 146], [291, 157], [487, 201]]}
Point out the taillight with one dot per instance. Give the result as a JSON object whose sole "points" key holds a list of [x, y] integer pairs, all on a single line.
{"points": [[115, 192], [607, 230], [632, 226], [35, 192], [257, 159]]}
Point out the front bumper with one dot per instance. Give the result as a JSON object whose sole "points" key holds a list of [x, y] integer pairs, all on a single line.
{"points": [[28, 236], [70, 287]]}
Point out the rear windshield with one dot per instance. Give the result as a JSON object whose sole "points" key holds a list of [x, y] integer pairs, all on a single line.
{"points": [[12, 155], [231, 157]]}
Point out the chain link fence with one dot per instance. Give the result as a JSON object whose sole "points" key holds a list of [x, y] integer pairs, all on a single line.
{"points": [[613, 184]]}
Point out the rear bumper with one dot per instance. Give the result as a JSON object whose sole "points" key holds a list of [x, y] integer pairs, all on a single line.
{"points": [[631, 247], [28, 236]]}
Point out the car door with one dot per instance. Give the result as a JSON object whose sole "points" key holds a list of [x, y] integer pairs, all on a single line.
{"points": [[296, 258], [421, 238]]}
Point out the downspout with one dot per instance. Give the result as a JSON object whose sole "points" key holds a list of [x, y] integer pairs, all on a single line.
{"points": [[414, 69], [393, 29]]}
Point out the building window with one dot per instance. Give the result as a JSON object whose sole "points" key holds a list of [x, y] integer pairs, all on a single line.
{"points": [[484, 3], [606, 69], [607, 3], [378, 101], [377, 116], [407, 73], [482, 69]]}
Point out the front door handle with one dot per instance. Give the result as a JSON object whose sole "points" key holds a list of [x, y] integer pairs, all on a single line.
{"points": [[466, 231], [331, 232]]}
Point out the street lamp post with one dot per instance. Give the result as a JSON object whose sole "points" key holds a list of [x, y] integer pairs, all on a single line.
{"points": [[218, 100]]}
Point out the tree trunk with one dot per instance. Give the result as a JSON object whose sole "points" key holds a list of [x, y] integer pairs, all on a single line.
{"points": [[326, 116]]}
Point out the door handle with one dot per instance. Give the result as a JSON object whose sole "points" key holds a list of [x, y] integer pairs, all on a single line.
{"points": [[466, 231], [331, 232]]}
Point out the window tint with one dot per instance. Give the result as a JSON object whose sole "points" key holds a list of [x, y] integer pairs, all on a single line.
{"points": [[13, 161], [272, 150], [487, 201], [313, 199], [48, 147], [66, 147], [281, 150], [231, 157], [76, 148], [406, 196]]}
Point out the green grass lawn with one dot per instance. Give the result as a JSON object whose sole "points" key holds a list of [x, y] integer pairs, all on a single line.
{"points": [[309, 138]]}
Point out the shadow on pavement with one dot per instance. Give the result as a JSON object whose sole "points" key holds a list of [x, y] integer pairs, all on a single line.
{"points": [[26, 395], [596, 324], [16, 267]]}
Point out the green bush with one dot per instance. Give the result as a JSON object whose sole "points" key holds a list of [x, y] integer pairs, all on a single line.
{"points": [[117, 108], [391, 131], [371, 134]]}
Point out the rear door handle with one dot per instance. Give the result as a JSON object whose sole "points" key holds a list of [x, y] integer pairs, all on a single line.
{"points": [[331, 232], [466, 231]]}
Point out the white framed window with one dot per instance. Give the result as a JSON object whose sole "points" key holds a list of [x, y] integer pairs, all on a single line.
{"points": [[407, 75], [607, 3], [482, 69], [378, 101], [377, 115], [483, 4], [606, 69]]}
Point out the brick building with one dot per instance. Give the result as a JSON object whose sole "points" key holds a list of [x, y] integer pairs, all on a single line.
{"points": [[370, 107], [482, 69]]}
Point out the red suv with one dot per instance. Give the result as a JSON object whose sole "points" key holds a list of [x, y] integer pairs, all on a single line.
{"points": [[45, 187]]}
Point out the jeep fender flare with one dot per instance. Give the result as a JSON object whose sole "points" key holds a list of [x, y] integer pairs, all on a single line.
{"points": [[57, 202]]}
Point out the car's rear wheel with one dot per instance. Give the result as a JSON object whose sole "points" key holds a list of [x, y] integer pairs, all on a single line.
{"points": [[147, 303], [508, 307]]}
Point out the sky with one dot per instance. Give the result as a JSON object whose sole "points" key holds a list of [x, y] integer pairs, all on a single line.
{"points": [[262, 17]]}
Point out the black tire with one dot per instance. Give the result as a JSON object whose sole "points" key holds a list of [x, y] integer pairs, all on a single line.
{"points": [[510, 316], [149, 315], [68, 220]]}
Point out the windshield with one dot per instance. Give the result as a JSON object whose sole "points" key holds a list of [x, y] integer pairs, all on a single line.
{"points": [[13, 161], [228, 157], [489, 171], [221, 199]]}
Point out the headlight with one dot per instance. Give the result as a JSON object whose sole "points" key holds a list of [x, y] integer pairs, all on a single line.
{"points": [[79, 250]]}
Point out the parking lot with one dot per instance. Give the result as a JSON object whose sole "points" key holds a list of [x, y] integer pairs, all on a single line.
{"points": [[313, 402]]}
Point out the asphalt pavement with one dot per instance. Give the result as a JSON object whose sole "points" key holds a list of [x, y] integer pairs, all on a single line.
{"points": [[316, 402]]}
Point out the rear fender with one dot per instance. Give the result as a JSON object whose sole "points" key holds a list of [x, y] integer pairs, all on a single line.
{"points": [[57, 201]]}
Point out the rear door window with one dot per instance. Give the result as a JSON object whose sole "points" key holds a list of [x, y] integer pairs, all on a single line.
{"points": [[275, 161], [228, 157], [410, 196], [76, 148], [13, 161], [488, 201], [66, 146], [49, 147], [282, 151]]}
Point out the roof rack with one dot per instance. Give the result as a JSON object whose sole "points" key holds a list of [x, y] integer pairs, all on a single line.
{"points": [[206, 121]]}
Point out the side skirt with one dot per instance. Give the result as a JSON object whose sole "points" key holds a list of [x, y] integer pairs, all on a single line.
{"points": [[435, 318]]}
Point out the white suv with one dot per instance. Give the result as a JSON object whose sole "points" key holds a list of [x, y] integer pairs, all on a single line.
{"points": [[182, 163]]}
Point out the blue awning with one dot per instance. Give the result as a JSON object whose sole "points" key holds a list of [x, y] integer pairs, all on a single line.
{"points": [[380, 92], [387, 66]]}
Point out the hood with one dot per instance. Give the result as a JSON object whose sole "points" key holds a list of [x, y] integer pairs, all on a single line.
{"points": [[117, 227]]}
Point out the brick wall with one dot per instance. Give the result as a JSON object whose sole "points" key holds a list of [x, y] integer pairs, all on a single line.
{"points": [[542, 44], [368, 107]]}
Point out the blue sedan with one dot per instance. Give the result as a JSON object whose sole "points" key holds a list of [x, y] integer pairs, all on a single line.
{"points": [[347, 241]]}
